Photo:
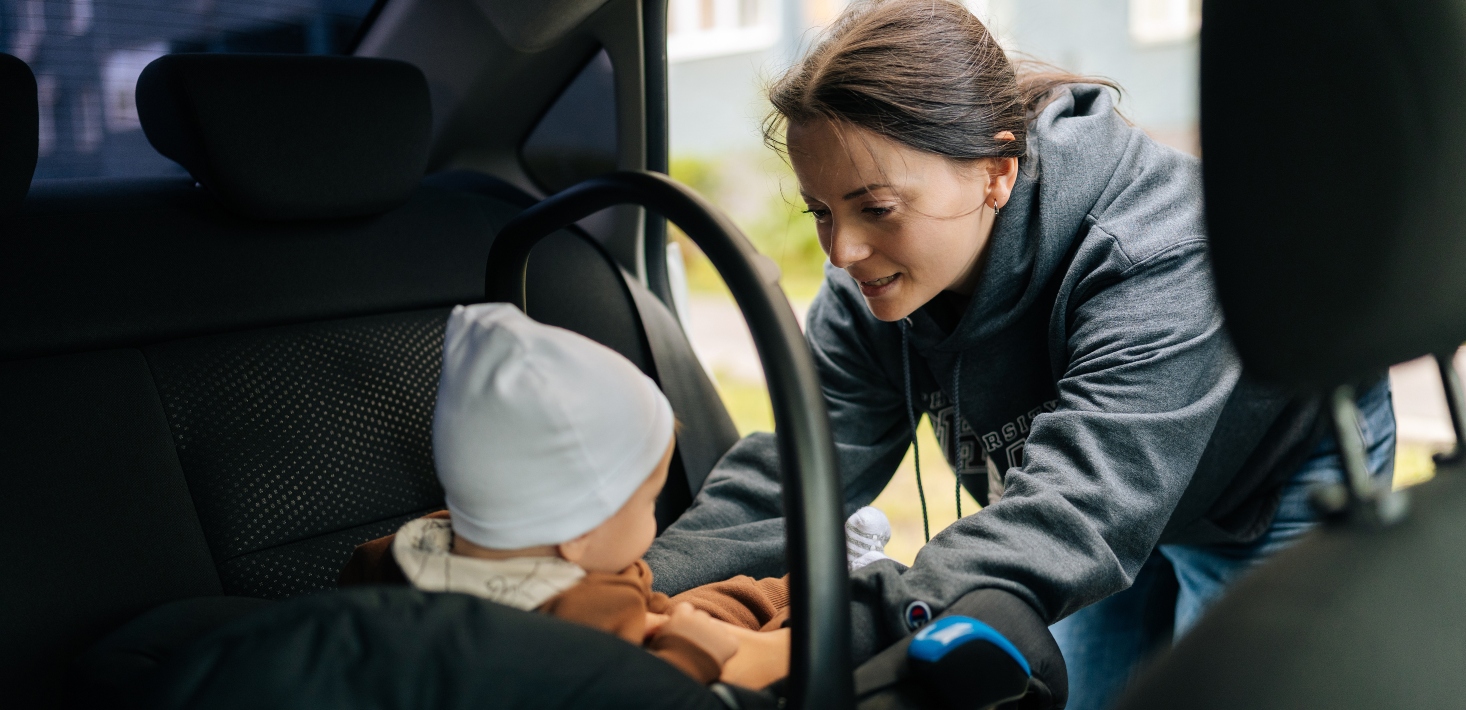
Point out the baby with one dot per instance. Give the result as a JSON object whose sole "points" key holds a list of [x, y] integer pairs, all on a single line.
{"points": [[552, 449]]}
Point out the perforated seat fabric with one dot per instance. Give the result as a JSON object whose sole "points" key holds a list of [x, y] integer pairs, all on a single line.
{"points": [[198, 401], [305, 566], [296, 432]]}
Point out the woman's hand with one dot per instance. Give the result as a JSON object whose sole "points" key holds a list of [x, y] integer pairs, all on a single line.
{"points": [[762, 658], [712, 636], [654, 623]]}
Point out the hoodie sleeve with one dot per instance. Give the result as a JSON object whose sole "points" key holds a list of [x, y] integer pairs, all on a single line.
{"points": [[735, 525], [1149, 370]]}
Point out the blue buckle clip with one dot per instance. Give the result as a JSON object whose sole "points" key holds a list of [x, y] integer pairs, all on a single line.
{"points": [[947, 633]]}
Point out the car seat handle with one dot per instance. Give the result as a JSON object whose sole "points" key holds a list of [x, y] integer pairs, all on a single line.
{"points": [[820, 673]]}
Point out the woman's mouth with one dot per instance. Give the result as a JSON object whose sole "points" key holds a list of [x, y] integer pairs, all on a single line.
{"points": [[880, 286]]}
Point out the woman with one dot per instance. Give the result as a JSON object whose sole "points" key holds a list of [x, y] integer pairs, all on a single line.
{"points": [[1012, 258]]}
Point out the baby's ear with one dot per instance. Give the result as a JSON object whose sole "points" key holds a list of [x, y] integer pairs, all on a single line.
{"points": [[573, 550]]}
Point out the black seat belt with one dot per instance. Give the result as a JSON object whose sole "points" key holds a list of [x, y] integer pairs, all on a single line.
{"points": [[707, 430]]}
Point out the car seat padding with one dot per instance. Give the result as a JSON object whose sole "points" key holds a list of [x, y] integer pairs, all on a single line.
{"points": [[410, 649]]}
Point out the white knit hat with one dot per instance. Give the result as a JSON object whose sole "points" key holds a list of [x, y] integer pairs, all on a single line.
{"points": [[540, 434]]}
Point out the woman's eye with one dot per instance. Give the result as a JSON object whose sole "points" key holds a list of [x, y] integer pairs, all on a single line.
{"points": [[877, 211], [819, 215]]}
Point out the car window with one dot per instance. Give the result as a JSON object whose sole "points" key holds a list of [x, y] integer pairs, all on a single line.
{"points": [[87, 55]]}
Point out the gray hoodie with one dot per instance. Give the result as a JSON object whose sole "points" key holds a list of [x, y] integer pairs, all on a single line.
{"points": [[1093, 377]]}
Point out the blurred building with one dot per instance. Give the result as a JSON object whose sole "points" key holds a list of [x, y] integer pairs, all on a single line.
{"points": [[723, 51]]}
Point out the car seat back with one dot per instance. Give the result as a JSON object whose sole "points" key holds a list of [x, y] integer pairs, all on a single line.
{"points": [[1334, 165], [1333, 168]]}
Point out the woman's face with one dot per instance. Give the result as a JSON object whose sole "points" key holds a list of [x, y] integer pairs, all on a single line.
{"points": [[905, 224]]}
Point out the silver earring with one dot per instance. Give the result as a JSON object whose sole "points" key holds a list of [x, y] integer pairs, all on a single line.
{"points": [[995, 209]]}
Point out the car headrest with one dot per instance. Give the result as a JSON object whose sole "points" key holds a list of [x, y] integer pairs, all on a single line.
{"points": [[282, 137], [1334, 144], [19, 131]]}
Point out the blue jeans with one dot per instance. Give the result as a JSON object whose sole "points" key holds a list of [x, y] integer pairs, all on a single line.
{"points": [[1105, 643]]}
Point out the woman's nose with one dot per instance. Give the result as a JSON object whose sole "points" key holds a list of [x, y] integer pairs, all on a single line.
{"points": [[847, 246]]}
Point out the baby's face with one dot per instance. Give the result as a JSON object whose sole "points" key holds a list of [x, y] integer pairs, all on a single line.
{"points": [[625, 536]]}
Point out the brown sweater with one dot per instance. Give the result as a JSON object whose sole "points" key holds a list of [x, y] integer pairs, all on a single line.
{"points": [[618, 603]]}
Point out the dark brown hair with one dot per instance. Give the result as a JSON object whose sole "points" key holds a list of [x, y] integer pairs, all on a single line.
{"points": [[925, 73]]}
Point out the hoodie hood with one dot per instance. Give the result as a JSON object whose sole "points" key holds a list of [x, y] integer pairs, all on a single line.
{"points": [[1074, 147]]}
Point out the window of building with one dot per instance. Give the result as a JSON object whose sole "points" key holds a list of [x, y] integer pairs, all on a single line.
{"points": [[697, 29], [1164, 21], [87, 56]]}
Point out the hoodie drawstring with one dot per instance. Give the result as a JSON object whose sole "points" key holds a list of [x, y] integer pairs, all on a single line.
{"points": [[911, 417], [957, 427]]}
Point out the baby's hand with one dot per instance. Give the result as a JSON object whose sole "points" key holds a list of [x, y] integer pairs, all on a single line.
{"points": [[762, 658], [704, 631]]}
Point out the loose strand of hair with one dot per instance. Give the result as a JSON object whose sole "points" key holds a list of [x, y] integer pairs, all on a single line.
{"points": [[1039, 83]]}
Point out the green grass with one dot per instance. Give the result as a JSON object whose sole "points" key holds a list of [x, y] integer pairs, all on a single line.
{"points": [[748, 404], [901, 502], [775, 224], [1413, 464]]}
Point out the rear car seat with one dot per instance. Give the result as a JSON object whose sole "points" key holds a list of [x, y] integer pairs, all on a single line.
{"points": [[1321, 288], [217, 389]]}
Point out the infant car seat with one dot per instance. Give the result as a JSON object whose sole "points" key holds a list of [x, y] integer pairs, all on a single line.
{"points": [[346, 631]]}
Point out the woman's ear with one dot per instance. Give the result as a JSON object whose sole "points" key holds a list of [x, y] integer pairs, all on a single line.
{"points": [[1002, 174], [573, 550]]}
